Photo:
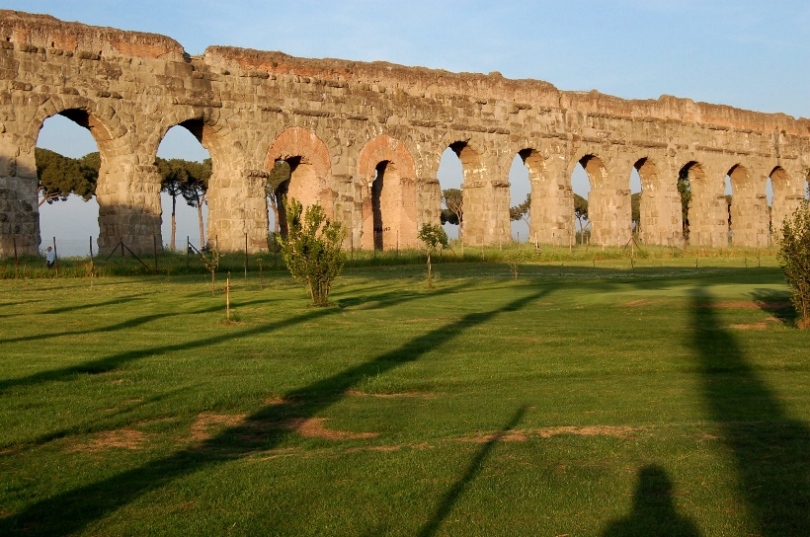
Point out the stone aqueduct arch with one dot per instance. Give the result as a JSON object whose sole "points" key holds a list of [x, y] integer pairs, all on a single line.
{"points": [[365, 141]]}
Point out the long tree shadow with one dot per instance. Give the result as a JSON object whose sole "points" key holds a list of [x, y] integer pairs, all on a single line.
{"points": [[112, 362], [69, 512], [452, 495], [769, 448], [129, 323], [653, 512]]}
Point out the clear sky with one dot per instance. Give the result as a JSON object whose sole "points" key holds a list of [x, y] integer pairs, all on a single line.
{"points": [[749, 54]]}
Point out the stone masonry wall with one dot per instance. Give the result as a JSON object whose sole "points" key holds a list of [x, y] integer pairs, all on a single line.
{"points": [[338, 120]]}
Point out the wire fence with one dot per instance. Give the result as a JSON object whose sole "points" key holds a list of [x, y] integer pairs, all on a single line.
{"points": [[86, 248]]}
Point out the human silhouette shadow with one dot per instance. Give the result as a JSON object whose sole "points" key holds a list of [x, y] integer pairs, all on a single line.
{"points": [[654, 513], [768, 448]]}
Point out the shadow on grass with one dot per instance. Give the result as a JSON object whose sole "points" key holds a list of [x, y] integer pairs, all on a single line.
{"points": [[769, 448], [449, 500], [91, 305], [653, 512], [110, 422], [110, 363], [130, 323], [71, 511], [776, 303]]}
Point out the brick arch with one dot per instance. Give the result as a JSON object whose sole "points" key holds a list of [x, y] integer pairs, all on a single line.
{"points": [[385, 148], [214, 137], [303, 143], [785, 199], [707, 216], [595, 166], [535, 163], [102, 121], [661, 219], [609, 209], [311, 170], [389, 201], [478, 199], [750, 219]]}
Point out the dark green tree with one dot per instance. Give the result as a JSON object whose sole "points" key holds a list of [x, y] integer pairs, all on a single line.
{"points": [[581, 211], [312, 249], [195, 190], [522, 211], [453, 199], [187, 179], [60, 176]]}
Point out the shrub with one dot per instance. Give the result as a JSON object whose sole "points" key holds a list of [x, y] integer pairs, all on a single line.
{"points": [[312, 249], [794, 256]]}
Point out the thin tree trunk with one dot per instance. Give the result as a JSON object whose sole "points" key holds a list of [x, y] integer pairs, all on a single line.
{"points": [[174, 221], [200, 201]]}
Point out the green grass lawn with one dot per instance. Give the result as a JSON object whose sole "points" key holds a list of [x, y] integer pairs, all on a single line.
{"points": [[580, 399]]}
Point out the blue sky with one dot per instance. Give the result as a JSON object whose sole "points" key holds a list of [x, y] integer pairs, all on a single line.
{"points": [[749, 54]]}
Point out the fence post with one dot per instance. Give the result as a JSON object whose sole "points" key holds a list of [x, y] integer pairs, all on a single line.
{"points": [[228, 297], [16, 260], [188, 247], [55, 257]]}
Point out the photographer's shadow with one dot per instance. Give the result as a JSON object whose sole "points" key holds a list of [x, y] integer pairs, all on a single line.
{"points": [[653, 510]]}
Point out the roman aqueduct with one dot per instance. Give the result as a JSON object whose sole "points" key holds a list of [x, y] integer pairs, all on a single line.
{"points": [[341, 124]]}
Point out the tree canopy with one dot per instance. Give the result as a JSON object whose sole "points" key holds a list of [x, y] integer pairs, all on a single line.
{"points": [[581, 211], [453, 199], [522, 211], [61, 176]]}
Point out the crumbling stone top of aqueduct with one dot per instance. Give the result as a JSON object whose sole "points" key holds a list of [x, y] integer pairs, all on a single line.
{"points": [[46, 31]]}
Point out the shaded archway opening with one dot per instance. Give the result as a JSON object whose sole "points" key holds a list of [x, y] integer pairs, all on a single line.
{"points": [[777, 191], [185, 166], [524, 166], [301, 186], [690, 177], [386, 206], [68, 160], [636, 193], [275, 188], [307, 181], [581, 188], [451, 181], [728, 194]]}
